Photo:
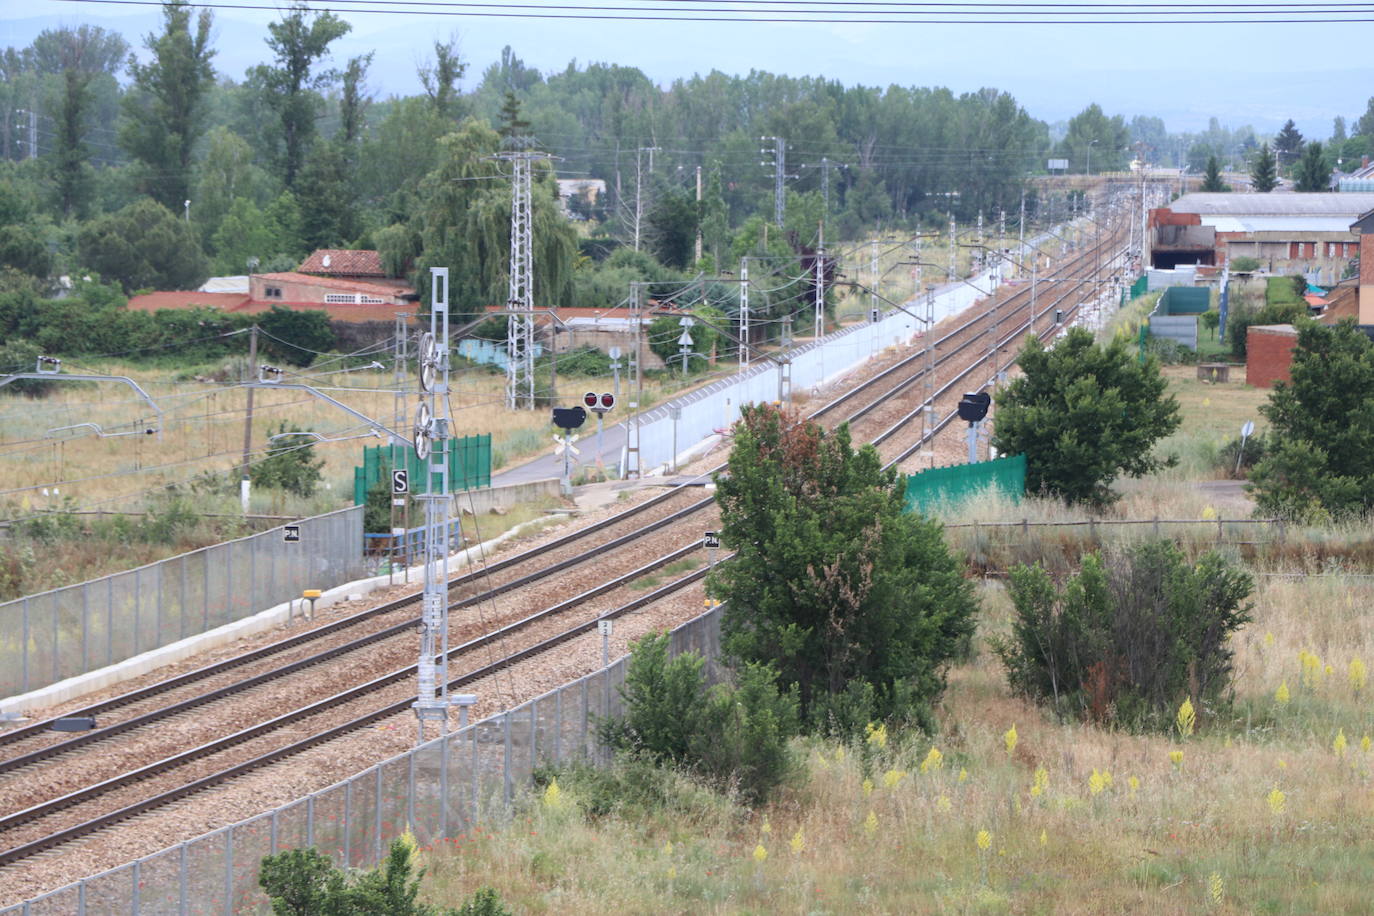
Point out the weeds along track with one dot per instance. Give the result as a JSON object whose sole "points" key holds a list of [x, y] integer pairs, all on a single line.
{"points": [[230, 715]]}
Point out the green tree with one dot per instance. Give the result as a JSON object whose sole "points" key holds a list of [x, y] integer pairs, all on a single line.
{"points": [[1288, 143], [515, 130], [1313, 173], [80, 56], [164, 109], [298, 42], [353, 101], [733, 735], [290, 464], [1095, 142], [856, 603], [440, 78], [671, 228], [1263, 175], [1321, 459], [1364, 127], [1129, 637], [225, 175], [246, 238], [325, 193], [143, 246], [1213, 182], [1082, 414], [1338, 133], [297, 336]]}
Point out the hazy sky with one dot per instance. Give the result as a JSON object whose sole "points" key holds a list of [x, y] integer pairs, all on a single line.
{"points": [[1255, 74]]}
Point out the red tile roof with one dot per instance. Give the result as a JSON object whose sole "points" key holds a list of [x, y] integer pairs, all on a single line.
{"points": [[151, 302], [351, 286], [343, 262], [336, 311]]}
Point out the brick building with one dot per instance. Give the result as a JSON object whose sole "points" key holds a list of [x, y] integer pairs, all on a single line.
{"points": [[1269, 354], [1364, 228], [1285, 232]]}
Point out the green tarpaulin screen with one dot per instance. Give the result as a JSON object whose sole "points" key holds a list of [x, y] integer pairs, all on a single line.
{"points": [[469, 467], [1005, 476]]}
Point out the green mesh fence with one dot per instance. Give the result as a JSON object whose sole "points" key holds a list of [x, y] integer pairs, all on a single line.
{"points": [[1184, 300], [1140, 287], [469, 467], [1005, 476]]}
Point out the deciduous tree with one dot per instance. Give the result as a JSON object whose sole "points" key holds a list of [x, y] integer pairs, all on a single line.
{"points": [[164, 109], [853, 600], [1082, 414], [1321, 463], [143, 246]]}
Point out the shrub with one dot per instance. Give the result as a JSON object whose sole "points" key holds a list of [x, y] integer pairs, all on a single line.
{"points": [[1245, 264], [732, 735], [304, 882], [1254, 452], [1129, 637], [1171, 352], [290, 464]]}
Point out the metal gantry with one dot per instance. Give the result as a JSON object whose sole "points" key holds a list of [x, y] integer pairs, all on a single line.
{"points": [[520, 344]]}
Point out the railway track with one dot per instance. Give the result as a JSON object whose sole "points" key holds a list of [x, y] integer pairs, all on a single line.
{"points": [[672, 508]]}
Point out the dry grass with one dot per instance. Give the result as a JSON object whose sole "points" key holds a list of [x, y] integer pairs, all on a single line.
{"points": [[1149, 848]]}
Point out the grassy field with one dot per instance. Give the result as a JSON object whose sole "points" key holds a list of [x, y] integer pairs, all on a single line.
{"points": [[1265, 810]]}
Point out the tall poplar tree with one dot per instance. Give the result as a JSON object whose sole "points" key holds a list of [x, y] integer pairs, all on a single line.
{"points": [[299, 41], [164, 110]]}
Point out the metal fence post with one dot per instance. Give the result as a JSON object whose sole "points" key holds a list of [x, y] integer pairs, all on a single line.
{"points": [[85, 629], [310, 820], [377, 811], [137, 878], [138, 611], [25, 651], [505, 758], [410, 790], [348, 824], [229, 871], [443, 785], [272, 837], [183, 878]]}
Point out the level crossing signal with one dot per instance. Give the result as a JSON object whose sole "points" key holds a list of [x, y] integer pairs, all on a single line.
{"points": [[600, 403]]}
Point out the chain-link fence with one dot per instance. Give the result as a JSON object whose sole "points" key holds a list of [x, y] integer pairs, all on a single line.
{"points": [[51, 636], [440, 789]]}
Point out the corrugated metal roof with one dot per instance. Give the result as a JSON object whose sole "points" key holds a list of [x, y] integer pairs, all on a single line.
{"points": [[1297, 223], [1276, 203]]}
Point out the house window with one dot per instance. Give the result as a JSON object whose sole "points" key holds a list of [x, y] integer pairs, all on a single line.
{"points": [[340, 298], [272, 292], [370, 300]]}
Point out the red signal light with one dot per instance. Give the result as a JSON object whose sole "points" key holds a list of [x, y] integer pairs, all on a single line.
{"points": [[589, 399], [607, 401]]}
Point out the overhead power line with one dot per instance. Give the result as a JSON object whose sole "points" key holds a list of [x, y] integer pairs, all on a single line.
{"points": [[832, 12]]}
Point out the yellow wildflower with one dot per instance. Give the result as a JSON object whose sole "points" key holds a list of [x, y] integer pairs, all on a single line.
{"points": [[411, 845], [892, 777], [1281, 696], [1208, 513], [1186, 718], [1133, 784], [876, 734], [839, 753], [672, 873], [1095, 783], [934, 760], [553, 796], [1176, 758], [760, 853], [766, 829], [871, 823], [1010, 738], [1276, 800], [1339, 744], [984, 840], [1268, 640], [668, 848], [1216, 889], [1357, 675], [1364, 744], [1044, 838], [942, 803], [1042, 781], [797, 843], [868, 787], [963, 775]]}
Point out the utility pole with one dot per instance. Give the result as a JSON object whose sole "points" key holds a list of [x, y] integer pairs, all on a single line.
{"points": [[698, 246], [1021, 241], [820, 293], [633, 468], [779, 164], [398, 456], [953, 251], [520, 299], [244, 484], [432, 436], [744, 313]]}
